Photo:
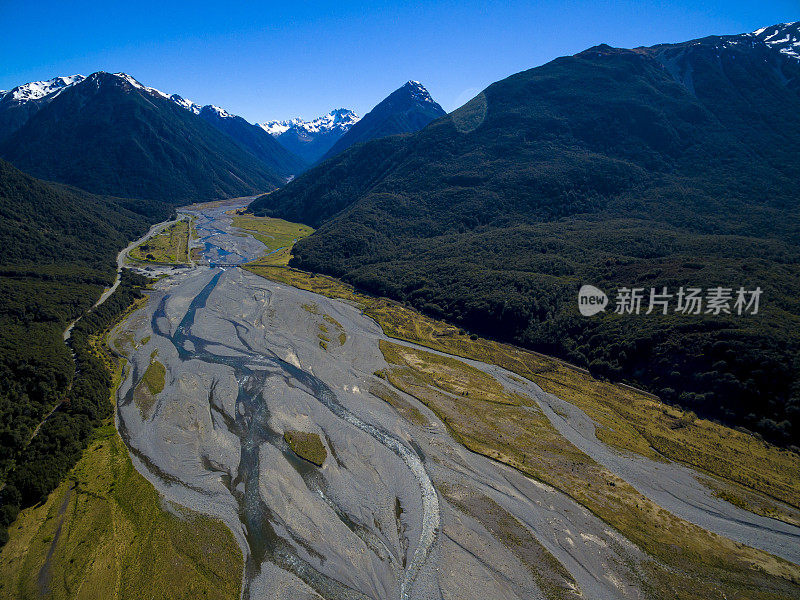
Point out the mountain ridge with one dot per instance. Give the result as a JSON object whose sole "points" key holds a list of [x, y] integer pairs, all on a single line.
{"points": [[668, 165], [109, 134], [254, 139], [311, 139], [18, 105], [784, 37], [406, 110]]}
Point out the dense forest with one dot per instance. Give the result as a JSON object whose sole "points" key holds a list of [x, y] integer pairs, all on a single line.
{"points": [[667, 166], [43, 461], [57, 253]]}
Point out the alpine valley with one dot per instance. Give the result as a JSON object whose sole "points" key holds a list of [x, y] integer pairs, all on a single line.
{"points": [[671, 165], [346, 358]]}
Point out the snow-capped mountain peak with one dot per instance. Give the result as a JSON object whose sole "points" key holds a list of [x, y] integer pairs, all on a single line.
{"points": [[44, 91], [36, 90], [221, 112], [187, 104], [134, 83], [418, 92], [311, 139], [784, 37], [338, 120], [276, 127]]}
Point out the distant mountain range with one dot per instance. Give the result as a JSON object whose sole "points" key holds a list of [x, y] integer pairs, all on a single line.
{"points": [[310, 140], [47, 146], [253, 138], [406, 110], [109, 134], [673, 165]]}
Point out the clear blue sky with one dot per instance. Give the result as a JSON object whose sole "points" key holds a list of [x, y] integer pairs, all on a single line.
{"points": [[266, 60]]}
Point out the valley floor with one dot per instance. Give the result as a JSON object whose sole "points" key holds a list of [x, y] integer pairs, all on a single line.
{"points": [[355, 449]]}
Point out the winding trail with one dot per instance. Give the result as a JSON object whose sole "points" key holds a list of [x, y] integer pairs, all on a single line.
{"points": [[157, 228], [103, 297]]}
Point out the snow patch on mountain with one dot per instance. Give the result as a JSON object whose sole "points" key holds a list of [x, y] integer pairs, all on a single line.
{"points": [[279, 127], [134, 83], [419, 93], [339, 120], [187, 104], [36, 90], [221, 112], [784, 37], [192, 107]]}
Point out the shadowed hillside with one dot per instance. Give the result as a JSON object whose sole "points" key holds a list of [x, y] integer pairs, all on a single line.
{"points": [[57, 250], [666, 166], [406, 110], [108, 134]]}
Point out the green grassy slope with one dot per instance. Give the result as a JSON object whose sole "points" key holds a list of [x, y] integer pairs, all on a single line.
{"points": [[105, 534]]}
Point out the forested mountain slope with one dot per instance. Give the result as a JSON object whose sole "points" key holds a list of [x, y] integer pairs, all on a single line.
{"points": [[57, 251], [672, 166], [255, 140], [108, 134], [406, 110]]}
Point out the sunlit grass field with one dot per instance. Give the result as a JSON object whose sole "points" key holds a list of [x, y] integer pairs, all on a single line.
{"points": [[273, 233], [169, 246]]}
